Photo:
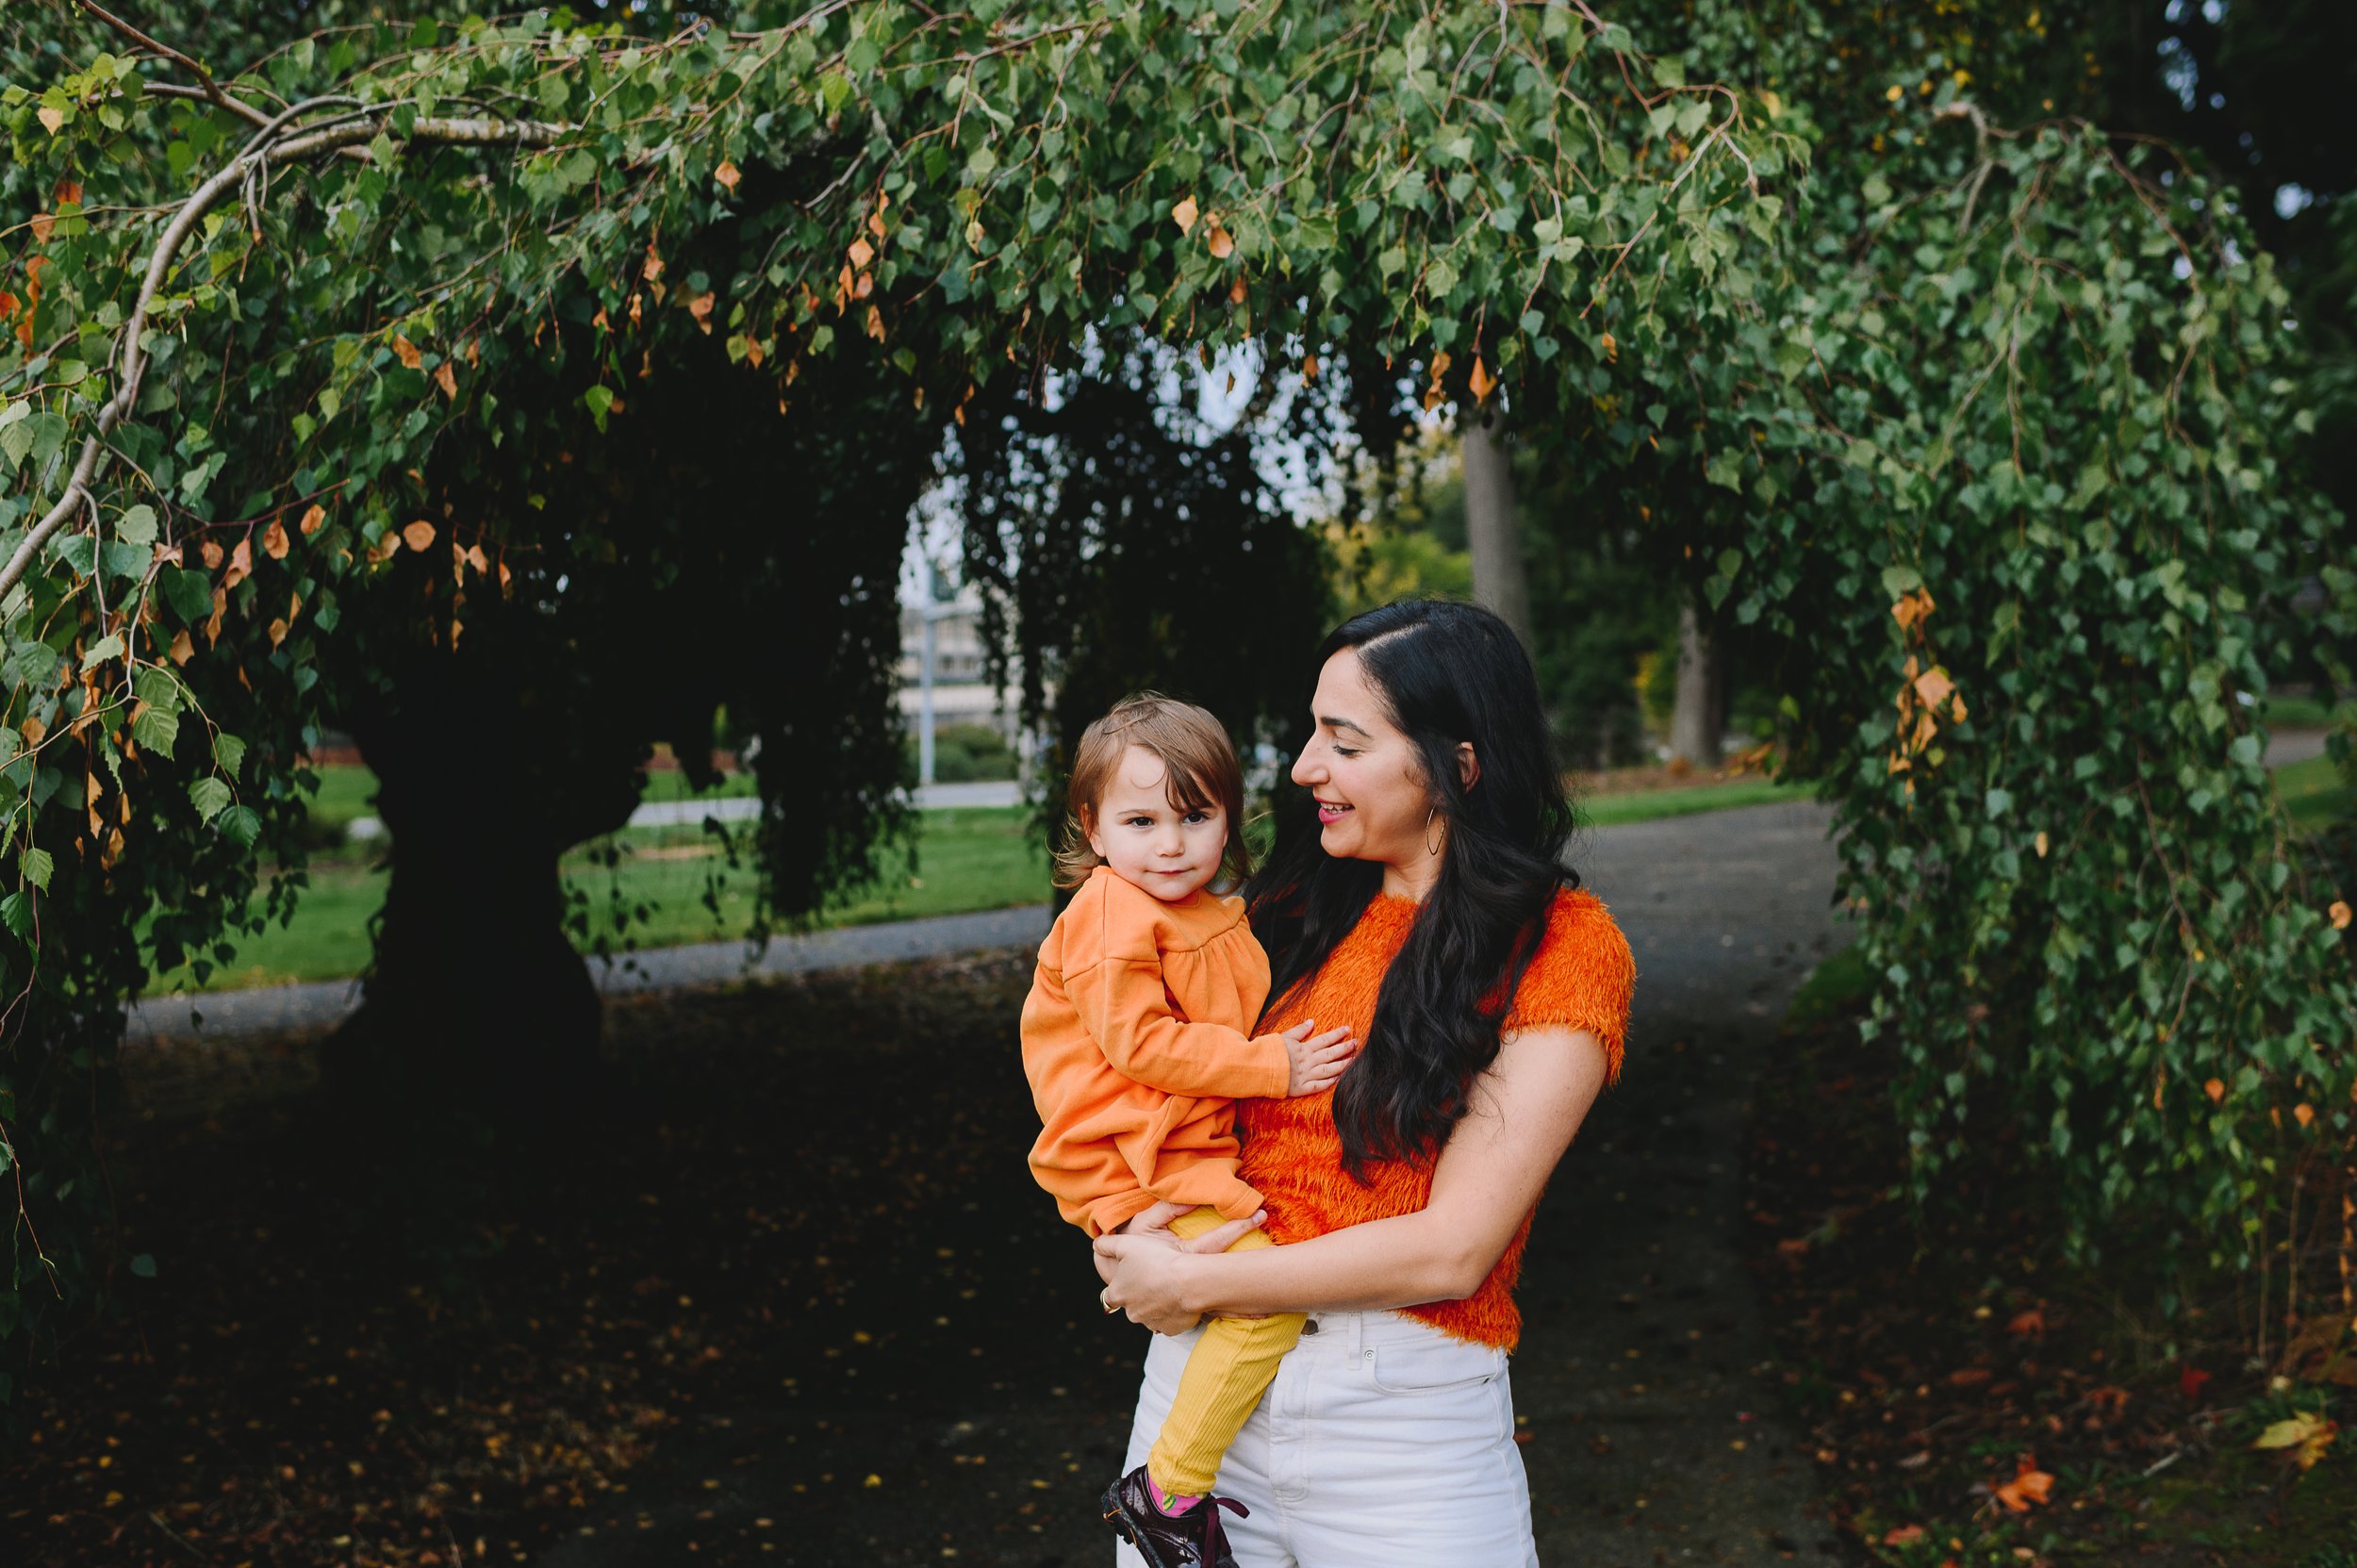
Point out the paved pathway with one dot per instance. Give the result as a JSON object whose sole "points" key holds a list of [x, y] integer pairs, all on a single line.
{"points": [[324, 1003], [741, 808], [2286, 747]]}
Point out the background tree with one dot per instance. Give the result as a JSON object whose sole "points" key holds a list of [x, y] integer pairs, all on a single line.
{"points": [[1123, 544]]}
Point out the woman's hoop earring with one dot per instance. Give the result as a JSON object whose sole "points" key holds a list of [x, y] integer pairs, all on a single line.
{"points": [[1430, 847]]}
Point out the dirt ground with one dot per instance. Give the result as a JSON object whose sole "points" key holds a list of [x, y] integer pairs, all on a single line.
{"points": [[784, 1292], [1938, 1361]]}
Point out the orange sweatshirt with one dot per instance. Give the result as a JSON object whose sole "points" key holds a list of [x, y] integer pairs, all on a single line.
{"points": [[1136, 1041], [1581, 978]]}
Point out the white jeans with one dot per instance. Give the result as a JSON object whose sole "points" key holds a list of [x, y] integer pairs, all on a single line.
{"points": [[1383, 1444]]}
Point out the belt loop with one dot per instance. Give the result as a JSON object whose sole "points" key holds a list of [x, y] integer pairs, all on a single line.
{"points": [[1358, 1336]]}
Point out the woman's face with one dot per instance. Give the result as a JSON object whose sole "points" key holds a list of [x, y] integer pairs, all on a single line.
{"points": [[1365, 774]]}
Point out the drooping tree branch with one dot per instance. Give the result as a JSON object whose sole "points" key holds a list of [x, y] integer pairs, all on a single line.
{"points": [[273, 145], [209, 90]]}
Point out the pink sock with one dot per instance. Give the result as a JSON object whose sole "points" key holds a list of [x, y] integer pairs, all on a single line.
{"points": [[1168, 1502]]}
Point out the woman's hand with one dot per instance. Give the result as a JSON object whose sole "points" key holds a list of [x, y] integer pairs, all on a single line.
{"points": [[1144, 1266]]}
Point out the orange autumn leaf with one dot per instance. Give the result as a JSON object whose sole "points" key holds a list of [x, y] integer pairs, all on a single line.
{"points": [[183, 648], [1238, 291], [212, 554], [860, 253], [277, 632], [2030, 1487], [417, 534], [66, 190], [2339, 912], [1223, 244], [2215, 1089], [1934, 687], [727, 175], [1480, 381], [446, 379], [241, 563], [42, 224], [1184, 214], [1611, 347], [875, 323], [701, 307], [2031, 1321], [312, 519], [275, 541], [406, 352], [2303, 1114], [653, 267], [1905, 1535]]}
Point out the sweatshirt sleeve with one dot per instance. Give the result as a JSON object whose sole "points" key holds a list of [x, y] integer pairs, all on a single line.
{"points": [[1125, 1009]]}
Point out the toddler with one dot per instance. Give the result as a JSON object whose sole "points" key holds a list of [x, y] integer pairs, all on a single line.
{"points": [[1137, 1039]]}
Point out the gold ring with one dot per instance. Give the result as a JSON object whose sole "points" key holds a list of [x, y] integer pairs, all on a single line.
{"points": [[1110, 1308]]}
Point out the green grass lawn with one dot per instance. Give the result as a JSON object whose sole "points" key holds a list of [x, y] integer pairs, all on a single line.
{"points": [[2305, 713], [966, 859], [2315, 793], [1599, 810]]}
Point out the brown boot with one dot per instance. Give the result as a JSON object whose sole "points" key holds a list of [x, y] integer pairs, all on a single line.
{"points": [[1189, 1540]]}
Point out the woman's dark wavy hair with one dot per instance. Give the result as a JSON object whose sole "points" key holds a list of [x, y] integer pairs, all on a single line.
{"points": [[1448, 673]]}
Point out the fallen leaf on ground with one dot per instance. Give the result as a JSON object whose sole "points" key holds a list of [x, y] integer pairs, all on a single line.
{"points": [[2029, 1488], [2309, 1434]]}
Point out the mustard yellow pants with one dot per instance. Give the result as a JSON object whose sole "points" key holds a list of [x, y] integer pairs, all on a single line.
{"points": [[1231, 1366]]}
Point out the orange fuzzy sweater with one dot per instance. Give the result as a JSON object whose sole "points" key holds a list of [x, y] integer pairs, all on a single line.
{"points": [[1137, 1040], [1581, 978]]}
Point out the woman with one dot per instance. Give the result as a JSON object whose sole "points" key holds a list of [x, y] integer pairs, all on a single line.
{"points": [[1417, 895]]}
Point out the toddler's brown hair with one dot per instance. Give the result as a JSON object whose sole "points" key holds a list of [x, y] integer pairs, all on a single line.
{"points": [[1200, 772]]}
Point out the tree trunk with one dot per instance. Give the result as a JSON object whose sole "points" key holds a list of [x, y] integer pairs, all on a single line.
{"points": [[477, 999], [1700, 718], [1493, 532]]}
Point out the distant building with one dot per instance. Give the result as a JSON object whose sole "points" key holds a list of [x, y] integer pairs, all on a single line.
{"points": [[963, 692]]}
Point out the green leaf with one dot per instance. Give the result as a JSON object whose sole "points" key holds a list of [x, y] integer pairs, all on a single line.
{"points": [[36, 865], [157, 729], [144, 1265], [228, 753], [209, 796], [16, 913], [107, 647]]}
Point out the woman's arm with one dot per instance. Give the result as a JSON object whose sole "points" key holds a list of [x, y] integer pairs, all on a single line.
{"points": [[1523, 1113]]}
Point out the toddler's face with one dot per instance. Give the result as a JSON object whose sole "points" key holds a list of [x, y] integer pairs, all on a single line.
{"points": [[1148, 842]]}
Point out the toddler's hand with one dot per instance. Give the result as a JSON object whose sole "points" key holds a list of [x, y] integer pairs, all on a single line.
{"points": [[1318, 1060]]}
